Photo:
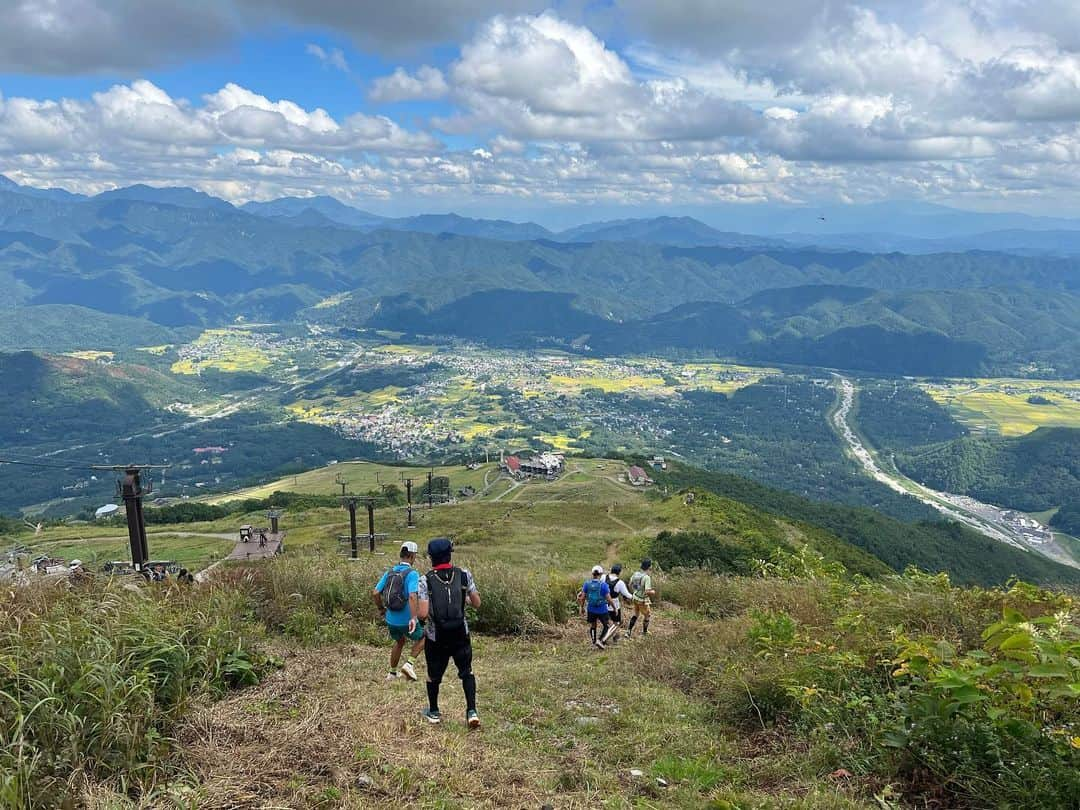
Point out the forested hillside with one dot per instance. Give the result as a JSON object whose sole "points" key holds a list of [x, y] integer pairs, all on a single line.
{"points": [[1034, 472], [966, 555], [176, 258]]}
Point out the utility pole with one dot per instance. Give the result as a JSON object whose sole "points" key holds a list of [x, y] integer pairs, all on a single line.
{"points": [[409, 522], [350, 502], [430, 494], [339, 479]]}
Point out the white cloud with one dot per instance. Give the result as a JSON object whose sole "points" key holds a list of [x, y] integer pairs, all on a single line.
{"points": [[714, 100], [587, 92], [140, 118], [426, 83], [334, 57]]}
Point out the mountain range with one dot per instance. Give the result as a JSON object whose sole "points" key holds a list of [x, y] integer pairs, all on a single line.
{"points": [[169, 258]]}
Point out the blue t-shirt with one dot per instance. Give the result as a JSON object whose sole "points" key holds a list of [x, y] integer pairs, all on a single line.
{"points": [[400, 618], [600, 608]]}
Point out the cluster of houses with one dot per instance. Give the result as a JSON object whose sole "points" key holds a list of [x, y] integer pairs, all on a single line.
{"points": [[543, 465]]}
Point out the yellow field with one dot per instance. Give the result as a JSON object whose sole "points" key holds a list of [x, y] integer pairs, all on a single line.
{"points": [[1002, 406], [332, 301], [229, 350], [609, 385], [91, 355]]}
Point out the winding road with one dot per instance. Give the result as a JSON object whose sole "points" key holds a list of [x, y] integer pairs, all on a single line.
{"points": [[962, 509]]}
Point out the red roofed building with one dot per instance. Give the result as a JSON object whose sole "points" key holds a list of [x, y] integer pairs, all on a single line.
{"points": [[638, 477], [513, 465]]}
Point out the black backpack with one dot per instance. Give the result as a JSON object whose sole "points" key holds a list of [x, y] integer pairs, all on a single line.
{"points": [[612, 583], [446, 599], [394, 590]]}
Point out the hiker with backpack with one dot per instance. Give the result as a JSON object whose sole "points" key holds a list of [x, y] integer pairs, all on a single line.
{"points": [[444, 592], [595, 600], [397, 598], [618, 591], [641, 587]]}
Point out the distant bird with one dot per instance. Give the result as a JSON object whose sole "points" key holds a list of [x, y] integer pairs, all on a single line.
{"points": [[822, 218]]}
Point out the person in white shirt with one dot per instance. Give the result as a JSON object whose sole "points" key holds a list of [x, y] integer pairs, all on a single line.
{"points": [[619, 591]]}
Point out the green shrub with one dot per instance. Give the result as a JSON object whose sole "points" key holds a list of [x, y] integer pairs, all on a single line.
{"points": [[514, 602], [93, 681], [707, 594], [1000, 724], [734, 554]]}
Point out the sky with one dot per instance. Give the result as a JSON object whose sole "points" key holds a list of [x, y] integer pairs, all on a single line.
{"points": [[520, 109]]}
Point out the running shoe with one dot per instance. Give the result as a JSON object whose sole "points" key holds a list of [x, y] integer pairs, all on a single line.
{"points": [[407, 668], [472, 719], [432, 716], [600, 645], [393, 675]]}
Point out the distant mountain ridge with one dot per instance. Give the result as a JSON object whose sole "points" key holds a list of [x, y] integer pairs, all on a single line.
{"points": [[179, 258]]}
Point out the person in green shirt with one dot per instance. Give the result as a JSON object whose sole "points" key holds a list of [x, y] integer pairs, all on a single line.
{"points": [[641, 588]]}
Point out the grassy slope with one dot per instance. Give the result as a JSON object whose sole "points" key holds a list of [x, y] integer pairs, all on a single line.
{"points": [[967, 556], [564, 725], [590, 515], [362, 476]]}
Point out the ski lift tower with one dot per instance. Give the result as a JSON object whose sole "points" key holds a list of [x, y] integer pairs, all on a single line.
{"points": [[130, 488], [273, 515]]}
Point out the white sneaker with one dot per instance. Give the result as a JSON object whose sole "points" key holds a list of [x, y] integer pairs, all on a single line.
{"points": [[409, 671], [392, 676]]}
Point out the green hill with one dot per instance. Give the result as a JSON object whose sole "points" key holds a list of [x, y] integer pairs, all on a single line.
{"points": [[967, 556], [177, 258], [793, 684], [1034, 472]]}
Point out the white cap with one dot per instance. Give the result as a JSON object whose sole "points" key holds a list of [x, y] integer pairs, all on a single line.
{"points": [[597, 569], [410, 547], [74, 563]]}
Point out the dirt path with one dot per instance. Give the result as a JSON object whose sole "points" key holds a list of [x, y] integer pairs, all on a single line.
{"points": [[327, 730]]}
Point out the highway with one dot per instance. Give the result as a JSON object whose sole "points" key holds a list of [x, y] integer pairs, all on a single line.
{"points": [[984, 518]]}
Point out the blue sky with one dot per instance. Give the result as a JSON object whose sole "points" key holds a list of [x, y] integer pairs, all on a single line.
{"points": [[521, 109]]}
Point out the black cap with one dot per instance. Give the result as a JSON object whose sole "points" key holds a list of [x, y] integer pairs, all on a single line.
{"points": [[616, 568], [440, 549], [646, 564]]}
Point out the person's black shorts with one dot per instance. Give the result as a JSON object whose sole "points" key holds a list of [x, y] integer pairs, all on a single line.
{"points": [[615, 616], [438, 653]]}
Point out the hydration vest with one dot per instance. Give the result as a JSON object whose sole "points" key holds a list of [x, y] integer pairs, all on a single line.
{"points": [[446, 599]]}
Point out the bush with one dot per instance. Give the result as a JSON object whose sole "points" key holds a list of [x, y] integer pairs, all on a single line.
{"points": [[324, 599], [722, 555], [513, 602], [93, 681]]}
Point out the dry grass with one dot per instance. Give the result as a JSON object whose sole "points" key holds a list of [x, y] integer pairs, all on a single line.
{"points": [[327, 730]]}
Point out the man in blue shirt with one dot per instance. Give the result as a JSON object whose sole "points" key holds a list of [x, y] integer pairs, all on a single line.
{"points": [[396, 596], [595, 599]]}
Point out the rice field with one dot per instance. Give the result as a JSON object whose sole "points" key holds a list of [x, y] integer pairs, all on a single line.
{"points": [[1010, 407], [228, 350]]}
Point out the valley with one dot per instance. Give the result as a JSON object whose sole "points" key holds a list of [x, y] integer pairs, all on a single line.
{"points": [[1004, 525]]}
